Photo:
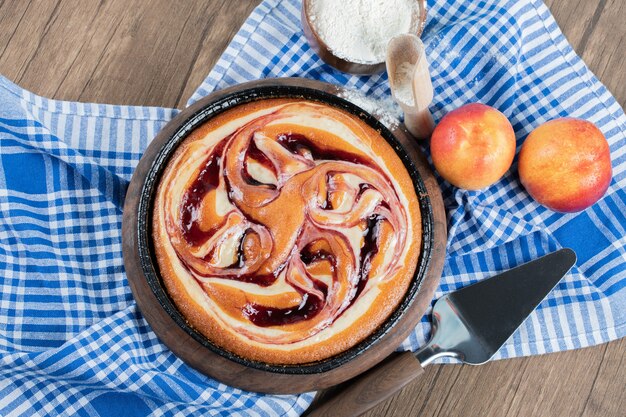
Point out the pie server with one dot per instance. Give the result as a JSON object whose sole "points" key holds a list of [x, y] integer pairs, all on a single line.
{"points": [[470, 324]]}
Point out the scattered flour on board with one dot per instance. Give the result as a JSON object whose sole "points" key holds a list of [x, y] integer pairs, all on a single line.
{"points": [[359, 30], [385, 110]]}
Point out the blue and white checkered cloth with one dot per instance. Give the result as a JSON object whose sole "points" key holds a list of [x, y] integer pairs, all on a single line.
{"points": [[72, 341]]}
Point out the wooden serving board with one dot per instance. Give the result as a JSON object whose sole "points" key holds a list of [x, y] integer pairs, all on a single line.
{"points": [[234, 373]]}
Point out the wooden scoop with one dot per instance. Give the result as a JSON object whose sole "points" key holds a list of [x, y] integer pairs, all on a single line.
{"points": [[410, 82]]}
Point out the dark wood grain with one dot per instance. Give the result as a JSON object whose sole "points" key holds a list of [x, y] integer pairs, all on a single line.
{"points": [[231, 372], [371, 388], [597, 32], [96, 61]]}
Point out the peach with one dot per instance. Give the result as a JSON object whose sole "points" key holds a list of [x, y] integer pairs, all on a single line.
{"points": [[473, 146], [565, 164]]}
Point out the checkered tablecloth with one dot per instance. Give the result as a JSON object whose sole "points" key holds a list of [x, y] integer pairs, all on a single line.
{"points": [[72, 341]]}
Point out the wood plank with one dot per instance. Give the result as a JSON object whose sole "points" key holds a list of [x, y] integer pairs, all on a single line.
{"points": [[117, 51], [10, 18], [145, 64], [551, 385], [51, 60], [596, 31], [607, 396], [605, 49], [227, 22], [543, 386], [148, 64], [25, 37], [574, 18]]}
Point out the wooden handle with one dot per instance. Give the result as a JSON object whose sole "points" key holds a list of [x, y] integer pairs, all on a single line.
{"points": [[420, 124], [367, 390]]}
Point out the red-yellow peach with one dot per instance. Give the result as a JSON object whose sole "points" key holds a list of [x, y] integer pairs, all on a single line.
{"points": [[473, 146], [565, 164]]}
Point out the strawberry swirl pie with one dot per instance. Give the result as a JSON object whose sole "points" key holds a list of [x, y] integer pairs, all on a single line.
{"points": [[286, 230]]}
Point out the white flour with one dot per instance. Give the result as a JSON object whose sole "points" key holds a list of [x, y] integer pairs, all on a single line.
{"points": [[385, 110], [359, 30], [404, 83]]}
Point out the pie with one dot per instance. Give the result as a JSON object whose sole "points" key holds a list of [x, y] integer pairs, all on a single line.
{"points": [[286, 230]]}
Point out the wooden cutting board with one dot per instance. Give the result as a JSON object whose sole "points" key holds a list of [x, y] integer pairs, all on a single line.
{"points": [[232, 372]]}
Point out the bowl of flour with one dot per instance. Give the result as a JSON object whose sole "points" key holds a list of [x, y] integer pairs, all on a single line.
{"points": [[352, 35]]}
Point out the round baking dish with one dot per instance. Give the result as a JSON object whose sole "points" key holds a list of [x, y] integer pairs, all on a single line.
{"points": [[193, 347]]}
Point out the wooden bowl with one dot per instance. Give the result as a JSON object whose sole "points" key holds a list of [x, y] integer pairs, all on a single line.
{"points": [[323, 51], [193, 347]]}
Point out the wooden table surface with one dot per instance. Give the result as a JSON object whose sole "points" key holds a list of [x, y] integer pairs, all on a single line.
{"points": [[157, 52]]}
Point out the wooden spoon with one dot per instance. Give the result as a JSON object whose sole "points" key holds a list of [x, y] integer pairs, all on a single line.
{"points": [[410, 82]]}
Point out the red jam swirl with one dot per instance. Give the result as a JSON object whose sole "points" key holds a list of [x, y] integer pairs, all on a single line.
{"points": [[289, 227]]}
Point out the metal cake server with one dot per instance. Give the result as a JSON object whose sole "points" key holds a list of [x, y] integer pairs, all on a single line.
{"points": [[470, 324]]}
